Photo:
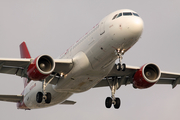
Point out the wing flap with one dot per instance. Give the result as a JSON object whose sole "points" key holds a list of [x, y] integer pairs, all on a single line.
{"points": [[11, 98], [165, 81], [9, 69]]}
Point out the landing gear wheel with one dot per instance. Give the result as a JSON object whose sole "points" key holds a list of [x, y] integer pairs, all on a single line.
{"points": [[114, 85], [39, 97], [108, 102], [48, 98], [118, 103], [118, 67], [123, 67]]}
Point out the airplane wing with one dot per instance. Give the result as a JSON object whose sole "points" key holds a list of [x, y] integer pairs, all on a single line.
{"points": [[19, 67], [126, 77], [11, 98], [14, 66]]}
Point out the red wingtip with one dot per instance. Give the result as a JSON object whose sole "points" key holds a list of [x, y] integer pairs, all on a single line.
{"points": [[24, 51]]}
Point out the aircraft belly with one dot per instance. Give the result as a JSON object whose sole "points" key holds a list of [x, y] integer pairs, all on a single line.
{"points": [[82, 77], [81, 83], [57, 98]]}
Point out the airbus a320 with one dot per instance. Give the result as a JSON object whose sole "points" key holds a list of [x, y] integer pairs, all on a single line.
{"points": [[89, 63]]}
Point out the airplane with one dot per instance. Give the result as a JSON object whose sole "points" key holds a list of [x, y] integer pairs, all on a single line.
{"points": [[89, 63]]}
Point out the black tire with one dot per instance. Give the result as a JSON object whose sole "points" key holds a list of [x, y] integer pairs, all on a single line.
{"points": [[48, 98], [39, 97], [118, 103], [108, 102], [118, 67], [123, 67]]}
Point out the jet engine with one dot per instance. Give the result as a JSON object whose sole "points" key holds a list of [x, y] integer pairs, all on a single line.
{"points": [[41, 67], [146, 76]]}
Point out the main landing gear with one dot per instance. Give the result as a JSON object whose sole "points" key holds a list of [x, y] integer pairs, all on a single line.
{"points": [[43, 95], [114, 85], [120, 66], [46, 96]]}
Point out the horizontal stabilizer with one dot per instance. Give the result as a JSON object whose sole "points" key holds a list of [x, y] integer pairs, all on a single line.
{"points": [[11, 98], [68, 102]]}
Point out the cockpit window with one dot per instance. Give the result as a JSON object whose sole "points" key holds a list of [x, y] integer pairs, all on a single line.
{"points": [[127, 13], [120, 14], [135, 14], [114, 17]]}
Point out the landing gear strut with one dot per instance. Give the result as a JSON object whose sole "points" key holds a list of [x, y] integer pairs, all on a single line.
{"points": [[113, 100], [120, 66], [44, 95]]}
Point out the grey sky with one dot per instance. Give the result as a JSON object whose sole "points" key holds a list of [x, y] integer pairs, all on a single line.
{"points": [[52, 26]]}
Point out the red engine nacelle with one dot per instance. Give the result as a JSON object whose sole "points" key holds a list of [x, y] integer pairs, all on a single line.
{"points": [[41, 67], [146, 76]]}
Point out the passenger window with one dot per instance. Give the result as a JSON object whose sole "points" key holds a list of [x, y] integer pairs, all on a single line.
{"points": [[135, 14], [127, 13], [114, 17], [120, 14]]}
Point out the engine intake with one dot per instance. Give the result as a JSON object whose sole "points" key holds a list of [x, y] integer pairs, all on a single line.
{"points": [[146, 76], [41, 67]]}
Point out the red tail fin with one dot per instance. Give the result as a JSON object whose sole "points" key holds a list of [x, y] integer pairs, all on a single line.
{"points": [[24, 51], [24, 54]]}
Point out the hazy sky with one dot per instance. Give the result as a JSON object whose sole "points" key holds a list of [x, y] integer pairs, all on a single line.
{"points": [[52, 26]]}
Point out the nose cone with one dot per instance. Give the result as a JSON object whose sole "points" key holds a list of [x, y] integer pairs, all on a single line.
{"points": [[135, 26], [126, 31]]}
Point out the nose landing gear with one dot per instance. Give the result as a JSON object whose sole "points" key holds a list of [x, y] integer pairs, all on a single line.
{"points": [[120, 66]]}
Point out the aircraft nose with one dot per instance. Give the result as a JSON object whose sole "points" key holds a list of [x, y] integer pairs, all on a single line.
{"points": [[136, 26]]}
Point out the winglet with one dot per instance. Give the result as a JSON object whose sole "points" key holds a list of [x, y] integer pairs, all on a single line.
{"points": [[24, 51]]}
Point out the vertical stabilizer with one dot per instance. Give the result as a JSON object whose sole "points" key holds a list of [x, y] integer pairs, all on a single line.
{"points": [[24, 52]]}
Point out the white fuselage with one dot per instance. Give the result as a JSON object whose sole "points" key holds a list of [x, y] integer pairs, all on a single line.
{"points": [[93, 57]]}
